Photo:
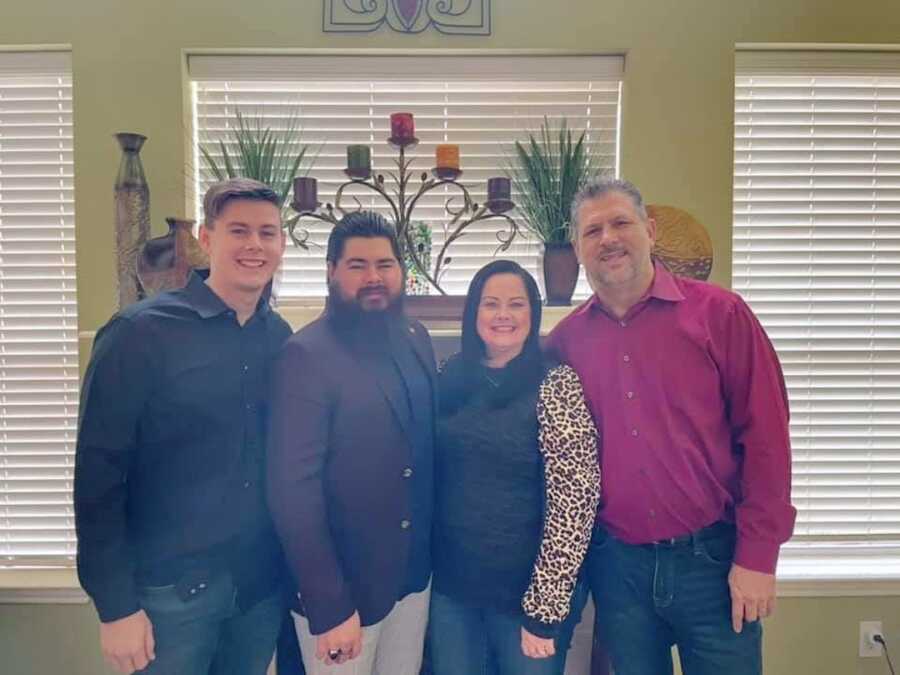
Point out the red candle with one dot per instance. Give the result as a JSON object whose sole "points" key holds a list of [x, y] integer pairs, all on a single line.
{"points": [[402, 126], [305, 194]]}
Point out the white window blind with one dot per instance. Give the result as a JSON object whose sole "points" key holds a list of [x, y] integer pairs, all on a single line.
{"points": [[481, 103], [817, 255], [38, 316]]}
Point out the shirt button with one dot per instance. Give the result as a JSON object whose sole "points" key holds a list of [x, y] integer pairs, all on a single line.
{"points": [[634, 432], [623, 323], [407, 472], [246, 367], [246, 483], [630, 394], [404, 524], [652, 513], [626, 358]]}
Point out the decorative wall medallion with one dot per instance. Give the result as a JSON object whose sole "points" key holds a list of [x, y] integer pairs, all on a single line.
{"points": [[682, 242], [452, 17]]}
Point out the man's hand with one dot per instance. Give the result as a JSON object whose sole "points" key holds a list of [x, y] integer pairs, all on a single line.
{"points": [[127, 643], [537, 647], [345, 640], [752, 595]]}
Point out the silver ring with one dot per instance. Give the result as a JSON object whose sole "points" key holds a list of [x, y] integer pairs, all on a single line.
{"points": [[334, 653]]}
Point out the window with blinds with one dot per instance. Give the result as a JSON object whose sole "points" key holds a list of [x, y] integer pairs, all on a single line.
{"points": [[38, 314], [817, 256], [481, 103]]}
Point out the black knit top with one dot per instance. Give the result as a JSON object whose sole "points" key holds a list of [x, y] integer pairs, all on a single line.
{"points": [[489, 498]]}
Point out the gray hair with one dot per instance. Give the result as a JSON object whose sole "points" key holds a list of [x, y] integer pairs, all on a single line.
{"points": [[220, 194], [598, 187]]}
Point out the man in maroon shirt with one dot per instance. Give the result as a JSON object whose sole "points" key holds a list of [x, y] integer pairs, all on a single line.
{"points": [[689, 400]]}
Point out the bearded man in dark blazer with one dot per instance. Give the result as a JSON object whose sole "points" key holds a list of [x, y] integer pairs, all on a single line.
{"points": [[350, 462]]}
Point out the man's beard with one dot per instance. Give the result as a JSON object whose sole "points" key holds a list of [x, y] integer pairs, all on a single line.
{"points": [[366, 329]]}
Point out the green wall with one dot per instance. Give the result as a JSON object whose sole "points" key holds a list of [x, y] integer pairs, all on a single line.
{"points": [[676, 145], [678, 102]]}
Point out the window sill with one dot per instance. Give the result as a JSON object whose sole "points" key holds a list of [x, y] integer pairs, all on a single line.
{"points": [[837, 588], [40, 586]]}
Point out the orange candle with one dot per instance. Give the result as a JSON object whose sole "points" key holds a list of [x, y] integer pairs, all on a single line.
{"points": [[447, 157]]}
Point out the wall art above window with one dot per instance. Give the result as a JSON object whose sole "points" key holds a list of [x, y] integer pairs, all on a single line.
{"points": [[451, 17]]}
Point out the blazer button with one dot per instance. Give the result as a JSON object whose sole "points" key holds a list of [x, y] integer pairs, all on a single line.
{"points": [[404, 524], [407, 472]]}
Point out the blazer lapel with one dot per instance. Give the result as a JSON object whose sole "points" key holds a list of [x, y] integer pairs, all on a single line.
{"points": [[399, 407], [426, 359]]}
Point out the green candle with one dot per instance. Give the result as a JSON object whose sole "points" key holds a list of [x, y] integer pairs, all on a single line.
{"points": [[359, 158]]}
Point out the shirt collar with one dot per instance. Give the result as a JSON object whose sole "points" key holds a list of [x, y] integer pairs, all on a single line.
{"points": [[203, 300], [664, 287]]}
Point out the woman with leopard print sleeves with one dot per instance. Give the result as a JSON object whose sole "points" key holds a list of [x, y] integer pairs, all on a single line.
{"points": [[516, 492]]}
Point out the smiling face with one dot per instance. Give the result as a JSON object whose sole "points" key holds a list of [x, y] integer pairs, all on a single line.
{"points": [[245, 245], [613, 243], [367, 274], [503, 321]]}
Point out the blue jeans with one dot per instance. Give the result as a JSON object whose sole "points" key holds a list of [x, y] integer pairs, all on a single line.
{"points": [[208, 634], [468, 641], [652, 596]]}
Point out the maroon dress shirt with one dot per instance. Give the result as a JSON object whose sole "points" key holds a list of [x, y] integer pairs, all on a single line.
{"points": [[690, 404]]}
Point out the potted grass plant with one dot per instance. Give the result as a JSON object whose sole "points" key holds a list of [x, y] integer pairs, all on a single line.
{"points": [[253, 148], [546, 171]]}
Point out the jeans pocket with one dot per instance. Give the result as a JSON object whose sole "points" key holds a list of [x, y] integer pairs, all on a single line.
{"points": [[160, 599], [718, 550], [600, 539], [156, 590]]}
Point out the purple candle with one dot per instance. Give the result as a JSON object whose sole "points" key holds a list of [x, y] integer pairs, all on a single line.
{"points": [[306, 196], [498, 188]]}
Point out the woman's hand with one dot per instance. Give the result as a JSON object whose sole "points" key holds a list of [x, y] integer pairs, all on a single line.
{"points": [[537, 647]]}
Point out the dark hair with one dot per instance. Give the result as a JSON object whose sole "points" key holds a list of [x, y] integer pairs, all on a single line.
{"points": [[360, 224], [525, 371], [220, 194], [473, 349]]}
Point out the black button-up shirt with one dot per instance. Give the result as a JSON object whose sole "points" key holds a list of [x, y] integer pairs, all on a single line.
{"points": [[169, 461]]}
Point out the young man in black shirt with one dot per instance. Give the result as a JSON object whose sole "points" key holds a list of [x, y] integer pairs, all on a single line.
{"points": [[175, 545]]}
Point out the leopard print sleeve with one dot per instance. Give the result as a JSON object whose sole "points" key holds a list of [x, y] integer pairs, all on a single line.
{"points": [[568, 441]]}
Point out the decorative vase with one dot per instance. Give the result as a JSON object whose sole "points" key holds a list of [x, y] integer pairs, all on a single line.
{"points": [[166, 262], [132, 216], [560, 273]]}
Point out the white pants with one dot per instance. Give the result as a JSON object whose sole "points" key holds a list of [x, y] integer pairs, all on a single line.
{"points": [[393, 646]]}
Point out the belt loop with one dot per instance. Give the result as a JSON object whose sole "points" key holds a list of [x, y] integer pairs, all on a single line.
{"points": [[696, 544]]}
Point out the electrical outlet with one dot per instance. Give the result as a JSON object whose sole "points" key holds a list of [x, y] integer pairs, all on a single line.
{"points": [[867, 646]]}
